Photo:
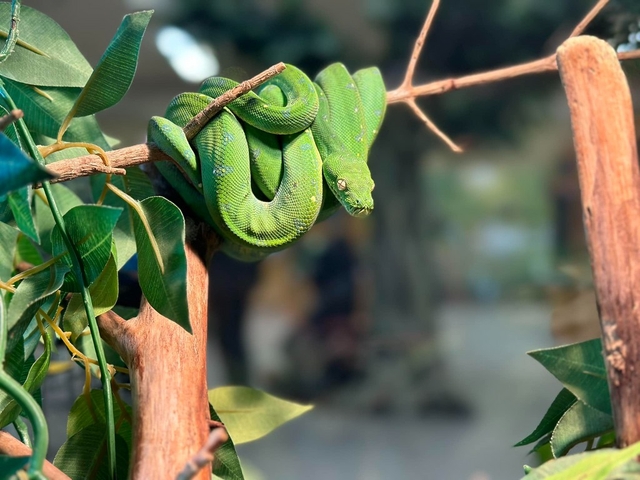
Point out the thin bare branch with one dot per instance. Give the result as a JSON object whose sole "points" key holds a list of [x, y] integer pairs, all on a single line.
{"points": [[9, 118], [584, 23], [432, 126], [407, 93], [417, 48]]}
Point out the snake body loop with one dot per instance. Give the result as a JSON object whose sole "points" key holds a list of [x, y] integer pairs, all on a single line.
{"points": [[272, 163]]}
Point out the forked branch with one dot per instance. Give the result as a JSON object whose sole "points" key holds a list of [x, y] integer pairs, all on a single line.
{"points": [[407, 92]]}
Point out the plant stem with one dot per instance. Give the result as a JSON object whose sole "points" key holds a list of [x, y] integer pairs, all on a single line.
{"points": [[12, 37], [84, 291], [23, 431], [38, 422]]}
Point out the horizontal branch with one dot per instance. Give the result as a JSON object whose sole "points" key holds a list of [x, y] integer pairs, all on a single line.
{"points": [[13, 447]]}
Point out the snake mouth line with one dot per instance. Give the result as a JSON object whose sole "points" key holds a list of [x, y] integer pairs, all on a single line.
{"points": [[361, 212]]}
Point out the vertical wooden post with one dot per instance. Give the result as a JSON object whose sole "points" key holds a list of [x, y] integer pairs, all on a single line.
{"points": [[168, 376], [605, 144]]}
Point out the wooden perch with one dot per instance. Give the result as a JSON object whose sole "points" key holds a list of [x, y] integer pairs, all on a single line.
{"points": [[605, 144], [168, 376]]}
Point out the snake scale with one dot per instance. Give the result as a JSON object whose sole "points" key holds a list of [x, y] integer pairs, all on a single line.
{"points": [[275, 161]]}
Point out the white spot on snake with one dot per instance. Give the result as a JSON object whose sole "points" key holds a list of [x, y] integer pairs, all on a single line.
{"points": [[305, 147], [314, 199], [227, 138], [355, 110], [222, 170]]}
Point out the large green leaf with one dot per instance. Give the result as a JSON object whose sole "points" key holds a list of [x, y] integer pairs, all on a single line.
{"points": [[226, 464], [162, 263], [30, 294], [249, 414], [84, 455], [36, 375], [27, 251], [20, 204], [16, 169], [90, 229], [65, 199], [138, 186], [559, 406], [45, 55], [8, 241], [104, 294], [83, 415], [579, 424], [605, 464], [44, 114], [114, 73], [580, 367]]}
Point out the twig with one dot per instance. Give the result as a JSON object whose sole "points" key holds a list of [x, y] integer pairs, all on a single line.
{"points": [[148, 152], [9, 118], [192, 128], [205, 455], [407, 93]]}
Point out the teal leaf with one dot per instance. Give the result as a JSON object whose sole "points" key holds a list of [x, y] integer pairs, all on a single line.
{"points": [[104, 294], [226, 464], [20, 204], [162, 263], [10, 465], [559, 406], [580, 367], [8, 245], [90, 229], [44, 55], [605, 464], [250, 414], [16, 169], [30, 295], [114, 73], [579, 424], [83, 455]]}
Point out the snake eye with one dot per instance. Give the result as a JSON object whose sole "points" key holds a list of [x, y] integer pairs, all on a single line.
{"points": [[342, 184]]}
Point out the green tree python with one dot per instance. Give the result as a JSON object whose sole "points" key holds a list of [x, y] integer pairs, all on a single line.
{"points": [[275, 161]]}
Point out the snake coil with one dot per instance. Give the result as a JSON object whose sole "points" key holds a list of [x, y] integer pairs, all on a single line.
{"points": [[273, 163]]}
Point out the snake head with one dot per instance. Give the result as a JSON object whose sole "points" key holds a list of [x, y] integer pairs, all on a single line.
{"points": [[350, 181]]}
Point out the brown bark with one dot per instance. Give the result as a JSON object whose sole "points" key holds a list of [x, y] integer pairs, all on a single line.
{"points": [[605, 143], [168, 377], [13, 447]]}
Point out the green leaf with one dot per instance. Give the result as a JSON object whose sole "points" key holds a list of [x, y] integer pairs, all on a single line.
{"points": [[559, 406], [90, 229], [250, 414], [65, 199], [20, 204], [44, 114], [137, 185], [84, 414], [16, 169], [162, 263], [37, 373], [605, 464], [580, 367], [8, 245], [85, 453], [579, 424], [30, 294], [10, 465], [114, 73], [44, 55], [104, 294], [226, 464], [27, 252]]}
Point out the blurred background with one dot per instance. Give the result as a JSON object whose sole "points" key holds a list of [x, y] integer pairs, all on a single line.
{"points": [[408, 329]]}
